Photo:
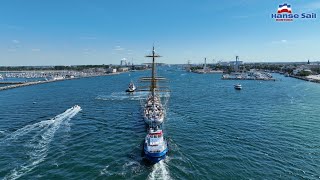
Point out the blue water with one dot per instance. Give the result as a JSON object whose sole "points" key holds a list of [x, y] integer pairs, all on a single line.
{"points": [[268, 130]]}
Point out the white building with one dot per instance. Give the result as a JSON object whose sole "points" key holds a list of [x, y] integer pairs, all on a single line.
{"points": [[123, 69], [111, 70]]}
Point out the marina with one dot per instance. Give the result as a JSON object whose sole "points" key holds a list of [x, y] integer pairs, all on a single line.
{"points": [[252, 75], [17, 84]]}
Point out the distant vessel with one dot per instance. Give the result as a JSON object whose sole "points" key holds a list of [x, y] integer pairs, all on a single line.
{"points": [[56, 78], [131, 87], [286, 75], [155, 146], [238, 86]]}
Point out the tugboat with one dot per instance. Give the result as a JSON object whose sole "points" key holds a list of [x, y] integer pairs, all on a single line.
{"points": [[238, 86], [155, 146], [131, 87]]}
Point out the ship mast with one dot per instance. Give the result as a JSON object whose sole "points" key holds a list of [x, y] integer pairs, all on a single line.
{"points": [[153, 77]]}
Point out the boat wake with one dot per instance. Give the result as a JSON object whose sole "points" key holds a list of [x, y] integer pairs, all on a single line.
{"points": [[37, 147], [160, 170], [120, 96]]}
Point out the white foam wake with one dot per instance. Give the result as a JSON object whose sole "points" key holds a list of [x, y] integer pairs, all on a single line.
{"points": [[39, 144], [160, 171], [120, 96]]}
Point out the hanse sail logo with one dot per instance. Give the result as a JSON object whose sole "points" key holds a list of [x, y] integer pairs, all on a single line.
{"points": [[285, 8], [285, 14]]}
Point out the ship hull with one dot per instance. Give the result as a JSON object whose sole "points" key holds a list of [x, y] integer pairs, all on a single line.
{"points": [[130, 90], [155, 157], [153, 122]]}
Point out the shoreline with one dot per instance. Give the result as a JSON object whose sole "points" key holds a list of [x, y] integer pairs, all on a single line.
{"points": [[49, 81]]}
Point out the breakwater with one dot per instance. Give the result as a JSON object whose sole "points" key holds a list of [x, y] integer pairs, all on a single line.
{"points": [[7, 82], [306, 78], [21, 84]]}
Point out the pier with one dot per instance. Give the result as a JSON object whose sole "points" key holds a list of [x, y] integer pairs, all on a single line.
{"points": [[247, 78], [306, 78], [29, 84], [9, 82]]}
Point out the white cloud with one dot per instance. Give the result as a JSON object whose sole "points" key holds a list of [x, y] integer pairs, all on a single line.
{"points": [[12, 27], [129, 52], [283, 41], [12, 50], [88, 37], [118, 48], [88, 51], [311, 7], [240, 17], [35, 50], [14, 46], [15, 41]]}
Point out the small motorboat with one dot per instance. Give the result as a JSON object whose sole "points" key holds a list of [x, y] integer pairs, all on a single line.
{"points": [[238, 86], [155, 146], [131, 87]]}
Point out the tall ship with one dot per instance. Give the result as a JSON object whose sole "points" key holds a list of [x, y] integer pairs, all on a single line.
{"points": [[153, 110]]}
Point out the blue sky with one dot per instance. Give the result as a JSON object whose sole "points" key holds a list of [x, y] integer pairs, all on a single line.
{"points": [[68, 32]]}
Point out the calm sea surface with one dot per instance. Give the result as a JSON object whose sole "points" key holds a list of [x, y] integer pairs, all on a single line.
{"points": [[268, 130]]}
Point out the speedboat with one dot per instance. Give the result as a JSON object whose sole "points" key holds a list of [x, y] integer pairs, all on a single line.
{"points": [[131, 87], [155, 146], [238, 86], [153, 112], [76, 107]]}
